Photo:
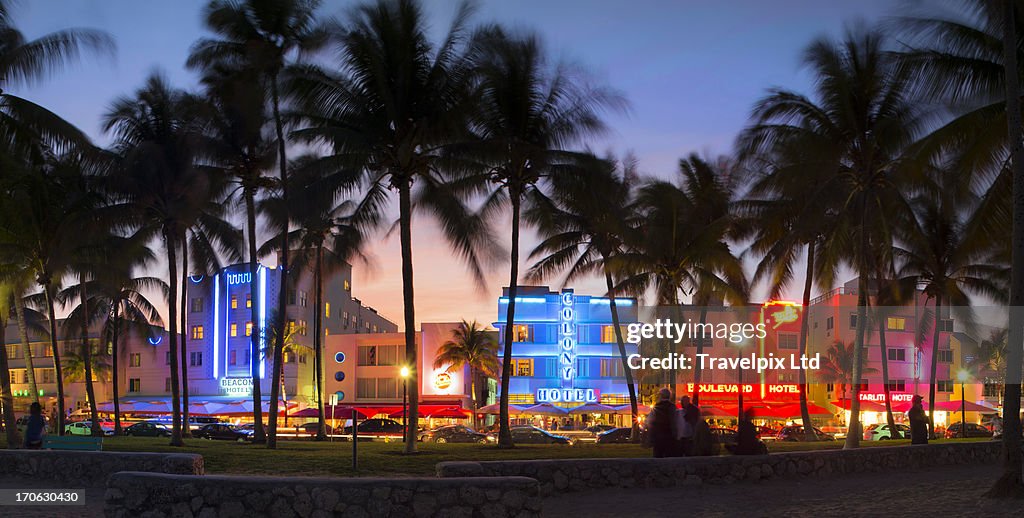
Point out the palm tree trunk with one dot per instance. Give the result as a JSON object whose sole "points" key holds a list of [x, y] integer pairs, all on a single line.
{"points": [[504, 431], [186, 430], [7, 397], [408, 301], [172, 314], [472, 394], [1010, 483], [318, 344], [885, 377], [259, 435], [30, 368], [114, 363], [934, 368], [700, 350], [805, 413], [90, 390], [854, 431], [57, 368], [282, 296], [634, 434]]}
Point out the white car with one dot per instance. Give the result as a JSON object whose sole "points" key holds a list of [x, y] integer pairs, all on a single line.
{"points": [[881, 432], [85, 428]]}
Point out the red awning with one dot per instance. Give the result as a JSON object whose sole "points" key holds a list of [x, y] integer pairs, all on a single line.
{"points": [[954, 406], [345, 411], [438, 411], [793, 410], [865, 406]]}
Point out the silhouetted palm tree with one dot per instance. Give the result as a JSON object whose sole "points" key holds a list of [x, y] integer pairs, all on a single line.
{"points": [[471, 345], [6, 396]]}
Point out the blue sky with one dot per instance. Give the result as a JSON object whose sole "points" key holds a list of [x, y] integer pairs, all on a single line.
{"points": [[691, 70]]}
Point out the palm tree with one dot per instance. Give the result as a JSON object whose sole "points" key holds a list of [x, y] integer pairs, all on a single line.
{"points": [[6, 396], [324, 239], [838, 367], [397, 102], [473, 346], [92, 361], [262, 36], [18, 303], [158, 184], [528, 113], [939, 252], [237, 121], [861, 122], [991, 355], [585, 224]]}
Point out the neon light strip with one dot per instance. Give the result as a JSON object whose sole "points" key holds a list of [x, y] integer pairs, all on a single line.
{"points": [[227, 324], [534, 300], [608, 302], [216, 321], [195, 280], [157, 341], [263, 320]]}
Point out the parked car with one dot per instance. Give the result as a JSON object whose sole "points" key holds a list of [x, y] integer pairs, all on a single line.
{"points": [[534, 435], [973, 430], [148, 429], [377, 427], [453, 433], [727, 438], [614, 436], [881, 432], [309, 429], [85, 428], [598, 429], [794, 433], [228, 432]]}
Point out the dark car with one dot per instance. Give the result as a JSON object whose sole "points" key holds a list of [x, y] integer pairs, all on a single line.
{"points": [[795, 433], [148, 429], [226, 432], [453, 433], [727, 438], [377, 427], [534, 435], [973, 430], [309, 429], [616, 436], [598, 429]]}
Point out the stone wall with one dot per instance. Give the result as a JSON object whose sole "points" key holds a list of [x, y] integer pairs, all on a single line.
{"points": [[91, 468], [561, 475], [156, 495]]}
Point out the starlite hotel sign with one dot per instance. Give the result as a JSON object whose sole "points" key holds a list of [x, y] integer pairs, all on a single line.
{"points": [[567, 391]]}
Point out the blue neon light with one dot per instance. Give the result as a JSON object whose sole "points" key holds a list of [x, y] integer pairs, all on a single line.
{"points": [[227, 325], [263, 320], [195, 280], [528, 300], [607, 302], [216, 323], [339, 357], [156, 341]]}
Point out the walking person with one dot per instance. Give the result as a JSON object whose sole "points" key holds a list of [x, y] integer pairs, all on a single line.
{"points": [[686, 425], [35, 429], [918, 422], [661, 426]]}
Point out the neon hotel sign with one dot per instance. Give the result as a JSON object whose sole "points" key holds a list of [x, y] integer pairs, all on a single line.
{"points": [[567, 392]]}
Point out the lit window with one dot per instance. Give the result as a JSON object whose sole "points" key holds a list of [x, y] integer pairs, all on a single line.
{"points": [[197, 332], [248, 300], [134, 385], [348, 285], [234, 329], [248, 329], [522, 366], [522, 333], [896, 323], [234, 302], [135, 360], [611, 368], [327, 310]]}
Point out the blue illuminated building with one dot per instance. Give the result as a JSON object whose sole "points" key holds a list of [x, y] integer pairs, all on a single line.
{"points": [[564, 350]]}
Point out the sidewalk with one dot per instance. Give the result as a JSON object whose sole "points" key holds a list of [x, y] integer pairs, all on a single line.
{"points": [[952, 491]]}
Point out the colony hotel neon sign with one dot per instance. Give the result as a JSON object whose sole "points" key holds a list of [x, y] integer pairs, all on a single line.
{"points": [[567, 392]]}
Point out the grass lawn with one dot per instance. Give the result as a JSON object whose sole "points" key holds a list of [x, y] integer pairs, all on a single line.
{"points": [[308, 458]]}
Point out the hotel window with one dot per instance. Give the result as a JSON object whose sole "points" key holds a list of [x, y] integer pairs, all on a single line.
{"points": [[829, 323], [583, 367], [788, 341], [896, 323], [302, 327], [167, 384], [944, 385], [197, 305], [47, 376], [134, 385], [945, 356], [327, 310], [946, 325], [366, 388], [992, 389], [897, 385], [550, 368], [289, 357], [248, 329], [611, 368], [135, 360], [12, 351], [234, 302], [348, 285], [232, 356], [291, 325], [234, 329], [195, 359], [14, 377], [522, 333], [522, 367], [303, 298], [897, 355], [853, 321], [387, 388], [344, 319], [47, 351], [291, 297], [197, 332], [248, 300], [374, 328], [608, 334], [367, 325]]}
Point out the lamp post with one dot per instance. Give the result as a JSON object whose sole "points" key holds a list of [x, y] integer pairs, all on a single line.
{"points": [[962, 376], [404, 372]]}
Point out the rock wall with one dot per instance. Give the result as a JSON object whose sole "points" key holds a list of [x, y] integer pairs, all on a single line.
{"points": [[156, 495], [559, 475], [91, 468]]}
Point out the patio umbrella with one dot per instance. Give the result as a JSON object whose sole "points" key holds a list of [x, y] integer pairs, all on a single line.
{"points": [[545, 409], [625, 410], [592, 408], [495, 408], [452, 412], [903, 406], [954, 406], [205, 408], [153, 407]]}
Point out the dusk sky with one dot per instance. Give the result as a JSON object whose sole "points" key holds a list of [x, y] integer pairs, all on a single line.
{"points": [[691, 71]]}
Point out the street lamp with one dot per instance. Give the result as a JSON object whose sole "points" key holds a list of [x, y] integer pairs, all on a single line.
{"points": [[404, 372], [962, 376]]}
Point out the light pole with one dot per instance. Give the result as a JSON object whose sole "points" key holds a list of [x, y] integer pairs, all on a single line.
{"points": [[739, 382], [404, 372], [962, 376]]}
